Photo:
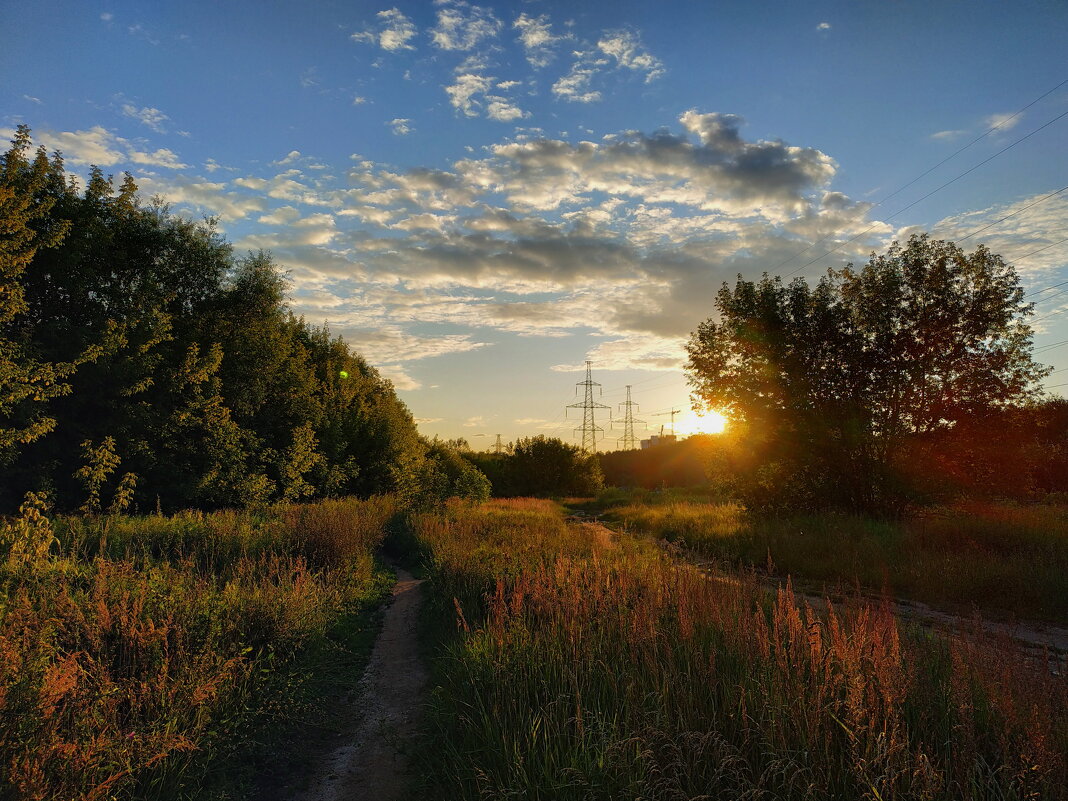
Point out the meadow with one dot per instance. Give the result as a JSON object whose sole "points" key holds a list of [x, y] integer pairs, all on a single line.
{"points": [[998, 558], [156, 657], [578, 664]]}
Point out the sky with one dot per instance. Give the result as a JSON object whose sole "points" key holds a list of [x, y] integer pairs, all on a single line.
{"points": [[481, 197]]}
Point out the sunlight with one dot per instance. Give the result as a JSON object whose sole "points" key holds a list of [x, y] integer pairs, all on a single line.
{"points": [[707, 423]]}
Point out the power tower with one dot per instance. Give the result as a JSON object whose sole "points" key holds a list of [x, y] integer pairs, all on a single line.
{"points": [[498, 446], [629, 441], [589, 427]]}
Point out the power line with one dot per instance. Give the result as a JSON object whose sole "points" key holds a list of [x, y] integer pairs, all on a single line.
{"points": [[1025, 208], [932, 192], [928, 171]]}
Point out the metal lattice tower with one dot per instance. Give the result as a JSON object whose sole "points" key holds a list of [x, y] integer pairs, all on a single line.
{"points": [[629, 441], [498, 446], [589, 427]]}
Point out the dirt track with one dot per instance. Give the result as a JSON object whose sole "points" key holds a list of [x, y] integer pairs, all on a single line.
{"points": [[374, 766]]}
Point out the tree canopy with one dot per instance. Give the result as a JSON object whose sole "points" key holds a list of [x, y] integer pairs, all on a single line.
{"points": [[833, 383], [138, 350]]}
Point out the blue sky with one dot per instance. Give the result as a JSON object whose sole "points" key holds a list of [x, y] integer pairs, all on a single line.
{"points": [[482, 196]]}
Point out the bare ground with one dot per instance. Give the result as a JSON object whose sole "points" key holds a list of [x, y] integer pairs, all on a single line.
{"points": [[374, 764]]}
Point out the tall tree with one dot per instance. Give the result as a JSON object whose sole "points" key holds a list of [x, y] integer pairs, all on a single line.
{"points": [[832, 381]]}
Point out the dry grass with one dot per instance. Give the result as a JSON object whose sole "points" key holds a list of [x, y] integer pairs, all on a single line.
{"points": [[581, 672], [136, 651], [996, 558]]}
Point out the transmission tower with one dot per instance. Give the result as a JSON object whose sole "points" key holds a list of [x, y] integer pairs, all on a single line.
{"points": [[628, 441], [589, 427], [498, 446]]}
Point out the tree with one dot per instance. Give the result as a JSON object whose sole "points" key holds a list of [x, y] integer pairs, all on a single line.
{"points": [[547, 466], [833, 381]]}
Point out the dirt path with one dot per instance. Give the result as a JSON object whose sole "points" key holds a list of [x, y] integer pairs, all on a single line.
{"points": [[374, 766]]}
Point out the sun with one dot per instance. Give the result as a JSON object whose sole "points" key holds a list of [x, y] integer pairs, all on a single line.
{"points": [[707, 423]]}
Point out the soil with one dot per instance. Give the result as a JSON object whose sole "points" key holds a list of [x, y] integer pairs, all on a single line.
{"points": [[374, 765]]}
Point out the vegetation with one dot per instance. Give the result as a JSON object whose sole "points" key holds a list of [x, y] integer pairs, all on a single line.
{"points": [[541, 467], [585, 666], [833, 387], [133, 338], [996, 557], [141, 657]]}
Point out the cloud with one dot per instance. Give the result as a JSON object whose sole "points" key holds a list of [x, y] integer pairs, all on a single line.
{"points": [[393, 32], [359, 100], [401, 380], [284, 215], [626, 48], [162, 157], [401, 126], [823, 26], [469, 94], [575, 85], [33, 99], [99, 146], [529, 421], [151, 117], [474, 422], [948, 136], [536, 37], [1003, 122], [462, 26], [203, 197], [107, 17]]}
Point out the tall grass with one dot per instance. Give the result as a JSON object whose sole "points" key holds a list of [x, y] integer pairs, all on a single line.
{"points": [[998, 558], [591, 670], [136, 653]]}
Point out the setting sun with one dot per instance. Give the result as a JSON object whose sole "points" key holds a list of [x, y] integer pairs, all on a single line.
{"points": [[707, 423]]}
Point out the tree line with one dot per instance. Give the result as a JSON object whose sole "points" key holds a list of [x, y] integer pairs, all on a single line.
{"points": [[144, 363]]}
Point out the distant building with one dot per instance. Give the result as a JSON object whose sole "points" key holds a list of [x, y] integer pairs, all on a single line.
{"points": [[658, 439]]}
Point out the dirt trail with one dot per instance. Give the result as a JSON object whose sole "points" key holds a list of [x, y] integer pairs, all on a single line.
{"points": [[374, 766], [1033, 636]]}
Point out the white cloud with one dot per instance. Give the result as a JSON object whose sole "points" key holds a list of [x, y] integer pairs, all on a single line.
{"points": [[575, 85], [823, 26], [151, 117], [529, 421], [203, 197], [948, 136], [162, 157], [401, 380], [462, 26], [535, 34], [626, 48], [401, 126], [33, 99], [464, 89], [359, 100], [393, 32], [107, 17], [283, 215], [474, 422], [1003, 122], [503, 110]]}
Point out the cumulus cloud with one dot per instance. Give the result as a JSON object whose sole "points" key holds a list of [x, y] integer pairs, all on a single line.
{"points": [[203, 197], [393, 31], [99, 146], [469, 93], [401, 126], [575, 85], [462, 26], [614, 50], [1003, 122], [823, 26], [148, 116]]}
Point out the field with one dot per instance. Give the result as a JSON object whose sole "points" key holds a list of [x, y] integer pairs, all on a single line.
{"points": [[587, 665], [159, 657], [208, 655], [1001, 559]]}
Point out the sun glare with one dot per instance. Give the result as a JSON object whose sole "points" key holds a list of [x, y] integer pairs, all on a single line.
{"points": [[707, 423]]}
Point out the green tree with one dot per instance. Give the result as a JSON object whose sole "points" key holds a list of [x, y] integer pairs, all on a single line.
{"points": [[833, 382], [548, 466]]}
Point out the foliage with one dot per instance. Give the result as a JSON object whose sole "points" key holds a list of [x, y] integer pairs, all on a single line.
{"points": [[671, 464], [542, 467], [998, 558], [585, 667], [126, 326], [134, 667], [834, 381]]}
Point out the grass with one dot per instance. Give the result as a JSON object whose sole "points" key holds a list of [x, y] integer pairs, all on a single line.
{"points": [[999, 559], [582, 667], [144, 658]]}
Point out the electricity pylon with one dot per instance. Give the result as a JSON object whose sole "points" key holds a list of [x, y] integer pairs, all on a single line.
{"points": [[628, 441], [498, 446], [589, 427]]}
